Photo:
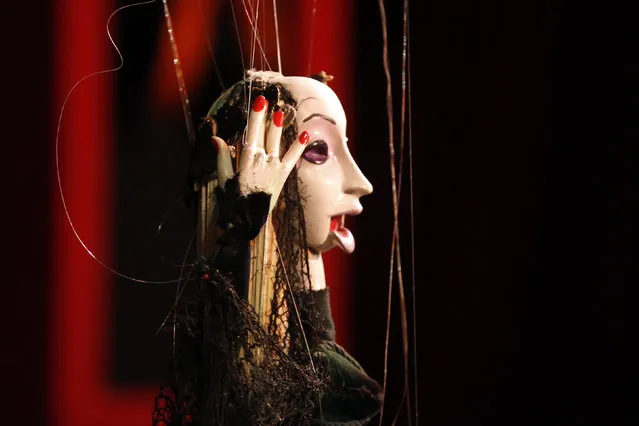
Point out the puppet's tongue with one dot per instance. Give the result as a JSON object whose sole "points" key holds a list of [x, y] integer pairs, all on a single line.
{"points": [[343, 236]]}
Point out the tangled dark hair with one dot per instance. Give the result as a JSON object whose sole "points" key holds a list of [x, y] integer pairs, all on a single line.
{"points": [[217, 379]]}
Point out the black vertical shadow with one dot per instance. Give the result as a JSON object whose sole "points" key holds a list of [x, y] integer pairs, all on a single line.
{"points": [[524, 120]]}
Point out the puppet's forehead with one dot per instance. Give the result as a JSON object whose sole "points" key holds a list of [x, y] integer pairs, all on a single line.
{"points": [[314, 97]]}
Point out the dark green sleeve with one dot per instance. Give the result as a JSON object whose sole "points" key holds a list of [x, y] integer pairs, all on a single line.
{"points": [[353, 398]]}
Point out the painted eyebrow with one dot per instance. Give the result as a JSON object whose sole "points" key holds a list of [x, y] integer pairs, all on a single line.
{"points": [[306, 99], [317, 114]]}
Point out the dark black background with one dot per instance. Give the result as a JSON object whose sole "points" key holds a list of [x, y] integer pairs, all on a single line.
{"points": [[524, 131]]}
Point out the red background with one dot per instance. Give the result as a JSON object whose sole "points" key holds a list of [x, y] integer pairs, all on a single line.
{"points": [[81, 390]]}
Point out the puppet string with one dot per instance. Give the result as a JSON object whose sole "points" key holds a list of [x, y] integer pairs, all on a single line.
{"points": [[178, 294], [251, 60], [395, 244], [184, 97], [57, 150], [404, 320], [256, 41], [299, 321], [389, 111], [297, 312], [179, 291], [239, 41], [312, 32], [254, 37], [263, 36], [264, 33], [412, 215], [277, 37], [207, 33]]}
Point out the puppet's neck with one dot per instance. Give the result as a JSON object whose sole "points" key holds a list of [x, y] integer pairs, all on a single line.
{"points": [[316, 271]]}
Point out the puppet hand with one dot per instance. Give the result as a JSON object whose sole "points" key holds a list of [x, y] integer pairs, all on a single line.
{"points": [[261, 169]]}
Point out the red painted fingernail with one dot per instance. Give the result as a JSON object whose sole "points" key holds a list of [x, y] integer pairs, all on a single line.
{"points": [[304, 137], [259, 104], [278, 118]]}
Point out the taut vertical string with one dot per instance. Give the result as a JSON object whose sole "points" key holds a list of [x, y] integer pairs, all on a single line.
{"points": [[184, 97]]}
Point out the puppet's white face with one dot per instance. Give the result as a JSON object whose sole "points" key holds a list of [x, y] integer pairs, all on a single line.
{"points": [[330, 181]]}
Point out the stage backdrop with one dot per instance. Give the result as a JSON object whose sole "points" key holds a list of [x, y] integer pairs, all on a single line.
{"points": [[123, 158]]}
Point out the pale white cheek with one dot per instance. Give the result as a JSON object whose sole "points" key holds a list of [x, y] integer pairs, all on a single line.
{"points": [[316, 229], [321, 193]]}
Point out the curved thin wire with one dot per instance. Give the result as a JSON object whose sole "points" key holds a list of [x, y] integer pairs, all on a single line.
{"points": [[179, 291], [159, 231], [57, 150]]}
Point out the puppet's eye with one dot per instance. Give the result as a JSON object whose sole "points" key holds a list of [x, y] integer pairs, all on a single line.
{"points": [[317, 152]]}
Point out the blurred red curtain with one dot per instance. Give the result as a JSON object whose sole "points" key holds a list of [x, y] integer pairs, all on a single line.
{"points": [[81, 392]]}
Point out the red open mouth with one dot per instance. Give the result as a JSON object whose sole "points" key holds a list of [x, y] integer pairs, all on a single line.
{"points": [[342, 235], [337, 222]]}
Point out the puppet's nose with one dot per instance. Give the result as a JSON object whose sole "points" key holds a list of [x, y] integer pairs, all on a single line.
{"points": [[355, 183]]}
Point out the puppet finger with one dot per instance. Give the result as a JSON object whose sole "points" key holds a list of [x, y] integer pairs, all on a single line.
{"points": [[274, 134], [295, 152], [224, 163], [255, 131]]}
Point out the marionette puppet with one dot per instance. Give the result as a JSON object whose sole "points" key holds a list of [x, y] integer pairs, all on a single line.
{"points": [[254, 341], [272, 180]]}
